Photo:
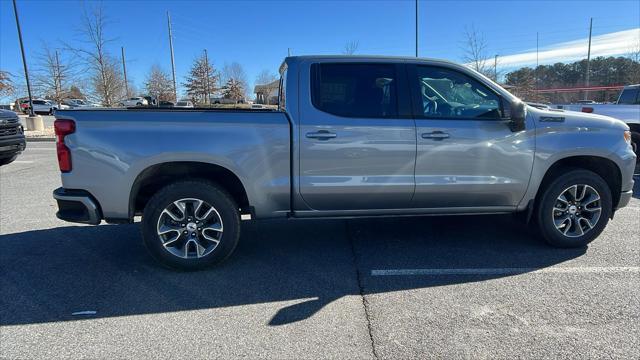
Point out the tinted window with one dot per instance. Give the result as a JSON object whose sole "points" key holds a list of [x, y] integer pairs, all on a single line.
{"points": [[629, 96], [446, 93], [355, 90], [282, 95], [39, 102]]}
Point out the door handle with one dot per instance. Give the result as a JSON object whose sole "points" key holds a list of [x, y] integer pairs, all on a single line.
{"points": [[321, 135], [435, 135]]}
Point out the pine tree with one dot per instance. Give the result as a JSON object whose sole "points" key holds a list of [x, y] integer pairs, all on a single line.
{"points": [[233, 90], [159, 84], [200, 82]]}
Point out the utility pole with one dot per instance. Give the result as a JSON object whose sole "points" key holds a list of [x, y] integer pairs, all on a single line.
{"points": [[495, 68], [586, 92], [124, 70], [416, 28], [58, 78], [537, 60], [24, 60], [206, 61], [173, 65]]}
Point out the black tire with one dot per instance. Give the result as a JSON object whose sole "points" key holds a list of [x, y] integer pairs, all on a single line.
{"points": [[138, 104], [203, 190], [635, 144], [549, 198], [7, 160]]}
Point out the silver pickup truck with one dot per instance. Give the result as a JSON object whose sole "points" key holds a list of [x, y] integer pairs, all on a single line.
{"points": [[353, 136]]}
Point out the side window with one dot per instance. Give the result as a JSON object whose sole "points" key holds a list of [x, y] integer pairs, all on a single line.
{"points": [[630, 96], [446, 93], [355, 90]]}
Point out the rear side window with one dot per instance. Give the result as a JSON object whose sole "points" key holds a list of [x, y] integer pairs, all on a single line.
{"points": [[629, 96], [355, 90]]}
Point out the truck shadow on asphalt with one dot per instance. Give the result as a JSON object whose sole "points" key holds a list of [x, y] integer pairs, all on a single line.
{"points": [[46, 275]]}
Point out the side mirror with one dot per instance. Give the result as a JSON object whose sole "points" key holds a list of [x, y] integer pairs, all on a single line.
{"points": [[515, 113]]}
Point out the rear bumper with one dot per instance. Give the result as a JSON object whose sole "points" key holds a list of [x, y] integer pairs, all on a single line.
{"points": [[77, 206], [625, 197]]}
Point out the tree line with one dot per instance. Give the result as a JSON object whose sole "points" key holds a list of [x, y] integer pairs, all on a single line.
{"points": [[603, 71]]}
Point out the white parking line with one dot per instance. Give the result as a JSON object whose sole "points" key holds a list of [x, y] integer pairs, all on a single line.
{"points": [[23, 162], [507, 271]]}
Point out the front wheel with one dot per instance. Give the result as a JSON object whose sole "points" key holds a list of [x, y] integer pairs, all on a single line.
{"points": [[191, 225], [635, 145], [7, 160], [574, 209]]}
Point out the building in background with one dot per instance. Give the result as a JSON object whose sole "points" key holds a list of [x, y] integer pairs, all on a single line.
{"points": [[267, 93]]}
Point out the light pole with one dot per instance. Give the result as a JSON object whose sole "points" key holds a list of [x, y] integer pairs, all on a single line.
{"points": [[416, 28], [33, 122]]}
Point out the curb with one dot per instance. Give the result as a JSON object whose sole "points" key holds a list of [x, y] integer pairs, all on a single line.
{"points": [[40, 139]]}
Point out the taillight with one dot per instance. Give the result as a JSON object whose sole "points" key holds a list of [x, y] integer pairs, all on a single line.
{"points": [[63, 127], [587, 109]]}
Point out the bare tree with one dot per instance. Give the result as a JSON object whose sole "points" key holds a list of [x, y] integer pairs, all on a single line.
{"points": [[233, 90], [201, 80], [350, 47], [634, 52], [159, 84], [475, 51], [54, 75], [6, 84], [105, 75], [236, 72]]}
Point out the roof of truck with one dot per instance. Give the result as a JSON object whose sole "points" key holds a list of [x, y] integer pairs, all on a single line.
{"points": [[367, 57]]}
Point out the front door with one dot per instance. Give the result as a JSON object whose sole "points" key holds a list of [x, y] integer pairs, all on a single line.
{"points": [[357, 138], [467, 156]]}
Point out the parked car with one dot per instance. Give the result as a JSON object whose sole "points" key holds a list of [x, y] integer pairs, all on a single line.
{"points": [[134, 101], [223, 100], [165, 104], [184, 104], [75, 103], [12, 141], [343, 144], [48, 107], [626, 108], [151, 101]]}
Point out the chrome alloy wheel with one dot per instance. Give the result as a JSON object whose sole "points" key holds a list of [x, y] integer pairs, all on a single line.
{"points": [[190, 228], [577, 210]]}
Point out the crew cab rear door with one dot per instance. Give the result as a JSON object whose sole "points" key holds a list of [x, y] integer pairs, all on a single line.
{"points": [[357, 137], [467, 155]]}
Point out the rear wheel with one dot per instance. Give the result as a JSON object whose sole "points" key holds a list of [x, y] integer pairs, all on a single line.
{"points": [[574, 209], [191, 225]]}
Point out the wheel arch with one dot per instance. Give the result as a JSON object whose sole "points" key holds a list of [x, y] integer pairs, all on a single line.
{"points": [[607, 169], [157, 176]]}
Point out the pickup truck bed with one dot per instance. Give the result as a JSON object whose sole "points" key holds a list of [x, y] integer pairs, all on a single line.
{"points": [[131, 146]]}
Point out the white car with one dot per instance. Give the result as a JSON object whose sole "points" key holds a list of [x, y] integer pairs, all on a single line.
{"points": [[47, 106], [183, 104], [134, 101]]}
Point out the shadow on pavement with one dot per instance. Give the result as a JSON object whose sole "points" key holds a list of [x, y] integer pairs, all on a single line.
{"points": [[46, 275]]}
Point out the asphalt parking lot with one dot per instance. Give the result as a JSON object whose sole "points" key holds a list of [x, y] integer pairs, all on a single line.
{"points": [[425, 287]]}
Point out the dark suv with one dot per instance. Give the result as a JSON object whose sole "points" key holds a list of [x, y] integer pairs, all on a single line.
{"points": [[12, 141]]}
